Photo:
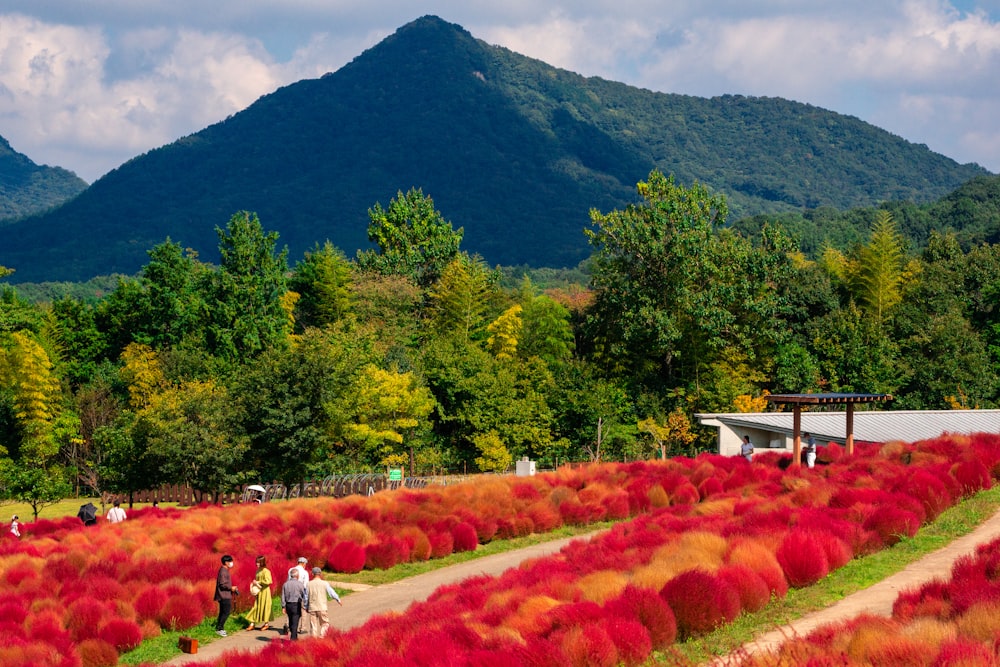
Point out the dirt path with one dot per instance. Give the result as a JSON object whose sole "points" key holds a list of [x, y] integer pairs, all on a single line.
{"points": [[359, 606]]}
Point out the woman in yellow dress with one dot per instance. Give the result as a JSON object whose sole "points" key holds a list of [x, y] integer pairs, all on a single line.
{"points": [[260, 615]]}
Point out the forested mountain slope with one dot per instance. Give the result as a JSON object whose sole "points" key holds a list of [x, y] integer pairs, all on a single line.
{"points": [[513, 150], [27, 188]]}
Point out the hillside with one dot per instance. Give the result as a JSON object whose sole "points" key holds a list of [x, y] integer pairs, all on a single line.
{"points": [[511, 149], [27, 188]]}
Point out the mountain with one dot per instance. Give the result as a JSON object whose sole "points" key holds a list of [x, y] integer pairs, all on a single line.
{"points": [[27, 188], [513, 150]]}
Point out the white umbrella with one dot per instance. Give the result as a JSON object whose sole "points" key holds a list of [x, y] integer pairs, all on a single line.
{"points": [[256, 487]]}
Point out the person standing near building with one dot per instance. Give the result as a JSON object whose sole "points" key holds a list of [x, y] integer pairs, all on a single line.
{"points": [[746, 448], [810, 450], [293, 595], [116, 514], [224, 592], [319, 590]]}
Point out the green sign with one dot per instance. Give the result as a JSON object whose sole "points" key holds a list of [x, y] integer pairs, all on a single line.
{"points": [[395, 474]]}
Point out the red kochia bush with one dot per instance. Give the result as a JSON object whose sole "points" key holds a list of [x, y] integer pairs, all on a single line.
{"points": [[973, 476], [700, 602], [346, 557], [753, 590], [149, 602], [631, 638], [181, 612], [890, 523], [802, 558], [124, 635], [464, 537]]}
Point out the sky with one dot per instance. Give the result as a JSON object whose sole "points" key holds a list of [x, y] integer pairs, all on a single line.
{"points": [[89, 84]]}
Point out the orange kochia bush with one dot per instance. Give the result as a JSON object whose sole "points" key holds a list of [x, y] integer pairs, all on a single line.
{"points": [[713, 520]]}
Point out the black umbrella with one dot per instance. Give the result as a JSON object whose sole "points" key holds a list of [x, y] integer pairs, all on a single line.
{"points": [[88, 514]]}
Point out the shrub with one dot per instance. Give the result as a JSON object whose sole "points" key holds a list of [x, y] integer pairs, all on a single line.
{"points": [[83, 615], [97, 653], [347, 557], [602, 586], [181, 612], [973, 476], [648, 608], [700, 602], [589, 646], [441, 544], [891, 523], [753, 590], [124, 635], [464, 537], [383, 554], [964, 653], [149, 602], [802, 558], [631, 638]]}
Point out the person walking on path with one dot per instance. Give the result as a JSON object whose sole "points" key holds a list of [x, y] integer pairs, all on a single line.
{"points": [[116, 514], [15, 527], [300, 567], [260, 614], [293, 595], [224, 592], [319, 590]]}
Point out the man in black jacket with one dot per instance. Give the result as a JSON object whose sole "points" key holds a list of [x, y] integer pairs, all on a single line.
{"points": [[224, 592], [293, 594]]}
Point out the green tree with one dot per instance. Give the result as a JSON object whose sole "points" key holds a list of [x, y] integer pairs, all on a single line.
{"points": [[413, 239], [673, 294], [546, 330], [187, 433], [246, 310], [286, 399], [878, 274], [460, 300], [323, 281], [31, 482]]}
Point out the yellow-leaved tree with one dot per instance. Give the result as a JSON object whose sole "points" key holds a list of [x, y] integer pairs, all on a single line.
{"points": [[505, 331], [142, 373], [676, 430], [383, 405], [493, 453]]}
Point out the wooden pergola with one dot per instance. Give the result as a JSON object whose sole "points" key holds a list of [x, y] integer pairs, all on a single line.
{"points": [[798, 400]]}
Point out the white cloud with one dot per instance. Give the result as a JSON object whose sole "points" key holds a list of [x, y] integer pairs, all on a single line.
{"points": [[89, 97]]}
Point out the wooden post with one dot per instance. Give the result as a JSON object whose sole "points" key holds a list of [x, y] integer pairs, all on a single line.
{"points": [[797, 435], [850, 428]]}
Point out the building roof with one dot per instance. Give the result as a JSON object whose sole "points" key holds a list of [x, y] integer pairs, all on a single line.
{"points": [[869, 426], [827, 398]]}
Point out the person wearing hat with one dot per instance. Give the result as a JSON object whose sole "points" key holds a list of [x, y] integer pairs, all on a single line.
{"points": [[224, 592], [319, 590]]}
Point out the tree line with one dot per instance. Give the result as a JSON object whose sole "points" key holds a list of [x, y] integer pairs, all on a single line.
{"points": [[415, 354]]}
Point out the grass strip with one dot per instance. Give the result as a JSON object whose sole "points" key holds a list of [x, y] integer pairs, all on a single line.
{"points": [[958, 520]]}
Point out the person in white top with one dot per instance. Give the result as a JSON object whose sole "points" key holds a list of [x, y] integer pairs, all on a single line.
{"points": [[300, 567], [116, 514], [15, 527]]}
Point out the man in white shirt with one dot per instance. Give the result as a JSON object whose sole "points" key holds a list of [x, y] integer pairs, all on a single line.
{"points": [[116, 514]]}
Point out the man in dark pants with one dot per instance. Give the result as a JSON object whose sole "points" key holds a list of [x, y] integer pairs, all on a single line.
{"points": [[224, 592], [293, 593]]}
